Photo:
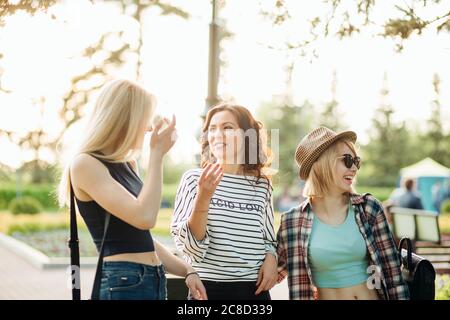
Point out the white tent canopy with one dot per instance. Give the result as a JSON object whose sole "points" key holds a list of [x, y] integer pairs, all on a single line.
{"points": [[426, 167]]}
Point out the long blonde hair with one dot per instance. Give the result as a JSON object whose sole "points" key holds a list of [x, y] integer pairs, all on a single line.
{"points": [[122, 110], [321, 177]]}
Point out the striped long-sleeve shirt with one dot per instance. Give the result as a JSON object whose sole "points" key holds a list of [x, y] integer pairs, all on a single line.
{"points": [[239, 230]]}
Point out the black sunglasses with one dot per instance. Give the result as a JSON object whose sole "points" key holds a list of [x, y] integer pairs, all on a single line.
{"points": [[349, 160]]}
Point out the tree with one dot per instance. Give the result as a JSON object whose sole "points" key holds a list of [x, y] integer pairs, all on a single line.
{"points": [[388, 149], [436, 138], [330, 117], [292, 123], [8, 8], [345, 18], [136, 9], [76, 99], [85, 84]]}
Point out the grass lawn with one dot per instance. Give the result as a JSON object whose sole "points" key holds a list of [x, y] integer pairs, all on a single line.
{"points": [[10, 223], [44, 221], [381, 193], [51, 229]]}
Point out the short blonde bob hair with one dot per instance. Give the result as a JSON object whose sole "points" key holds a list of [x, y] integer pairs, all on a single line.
{"points": [[321, 176]]}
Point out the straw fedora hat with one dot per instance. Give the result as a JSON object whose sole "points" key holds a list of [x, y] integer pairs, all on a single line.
{"points": [[314, 144]]}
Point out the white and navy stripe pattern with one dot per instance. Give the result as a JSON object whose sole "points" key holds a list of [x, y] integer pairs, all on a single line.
{"points": [[239, 231]]}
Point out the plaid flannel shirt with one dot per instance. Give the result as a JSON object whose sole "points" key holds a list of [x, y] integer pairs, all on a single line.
{"points": [[293, 238]]}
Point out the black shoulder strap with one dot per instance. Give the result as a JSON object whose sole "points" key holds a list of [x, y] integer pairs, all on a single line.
{"points": [[75, 253], [95, 295], [409, 248], [74, 249]]}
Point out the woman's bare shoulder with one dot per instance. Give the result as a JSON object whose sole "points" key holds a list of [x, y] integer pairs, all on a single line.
{"points": [[85, 165]]}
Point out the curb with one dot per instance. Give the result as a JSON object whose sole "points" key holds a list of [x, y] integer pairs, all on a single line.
{"points": [[39, 259]]}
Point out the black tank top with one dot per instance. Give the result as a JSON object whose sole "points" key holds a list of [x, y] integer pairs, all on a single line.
{"points": [[121, 237]]}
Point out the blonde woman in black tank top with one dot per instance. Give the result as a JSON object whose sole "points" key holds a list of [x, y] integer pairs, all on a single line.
{"points": [[104, 177]]}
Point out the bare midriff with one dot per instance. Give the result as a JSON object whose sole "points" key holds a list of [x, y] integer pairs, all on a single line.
{"points": [[148, 258], [357, 292]]}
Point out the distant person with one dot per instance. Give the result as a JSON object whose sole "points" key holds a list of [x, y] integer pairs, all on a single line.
{"points": [[407, 197]]}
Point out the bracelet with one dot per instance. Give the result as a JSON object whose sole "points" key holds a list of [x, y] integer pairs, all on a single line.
{"points": [[189, 273]]}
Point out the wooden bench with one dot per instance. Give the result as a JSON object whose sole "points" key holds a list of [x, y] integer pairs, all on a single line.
{"points": [[422, 227], [176, 288]]}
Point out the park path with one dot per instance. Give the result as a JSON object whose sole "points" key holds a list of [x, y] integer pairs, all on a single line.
{"points": [[20, 280]]}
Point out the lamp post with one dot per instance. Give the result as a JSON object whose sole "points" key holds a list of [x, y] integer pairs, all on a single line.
{"points": [[213, 60], [213, 68]]}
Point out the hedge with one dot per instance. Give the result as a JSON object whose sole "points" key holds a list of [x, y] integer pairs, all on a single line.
{"points": [[26, 204], [45, 194]]}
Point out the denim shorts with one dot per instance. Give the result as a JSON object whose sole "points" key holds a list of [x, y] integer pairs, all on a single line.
{"points": [[122, 280]]}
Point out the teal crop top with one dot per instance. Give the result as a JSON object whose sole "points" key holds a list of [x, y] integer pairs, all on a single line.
{"points": [[337, 254]]}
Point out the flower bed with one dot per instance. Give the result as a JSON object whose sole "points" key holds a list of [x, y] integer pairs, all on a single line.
{"points": [[53, 243]]}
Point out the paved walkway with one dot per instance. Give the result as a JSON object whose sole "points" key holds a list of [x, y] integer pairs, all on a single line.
{"points": [[19, 280]]}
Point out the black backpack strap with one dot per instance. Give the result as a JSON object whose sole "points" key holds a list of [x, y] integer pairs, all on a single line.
{"points": [[409, 248], [74, 249], [95, 295]]}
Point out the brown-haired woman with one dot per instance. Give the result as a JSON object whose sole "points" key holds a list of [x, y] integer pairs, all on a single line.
{"points": [[223, 219]]}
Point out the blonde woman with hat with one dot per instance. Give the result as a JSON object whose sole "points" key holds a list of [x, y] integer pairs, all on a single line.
{"points": [[118, 207], [336, 245]]}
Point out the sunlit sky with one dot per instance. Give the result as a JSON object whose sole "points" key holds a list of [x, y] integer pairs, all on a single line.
{"points": [[39, 61]]}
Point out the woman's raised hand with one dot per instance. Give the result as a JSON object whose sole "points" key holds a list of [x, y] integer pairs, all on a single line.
{"points": [[162, 140], [209, 179]]}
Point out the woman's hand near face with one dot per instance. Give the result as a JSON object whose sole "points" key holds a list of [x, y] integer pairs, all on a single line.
{"points": [[209, 180], [207, 183], [162, 141]]}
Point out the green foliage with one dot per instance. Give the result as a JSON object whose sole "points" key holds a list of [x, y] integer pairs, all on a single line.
{"points": [[381, 193], [32, 227], [38, 172], [345, 18], [391, 147], [292, 123], [25, 205], [44, 193], [172, 173], [8, 7], [438, 145], [444, 223], [330, 117], [6, 174], [403, 27], [168, 194], [445, 207], [443, 287]]}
